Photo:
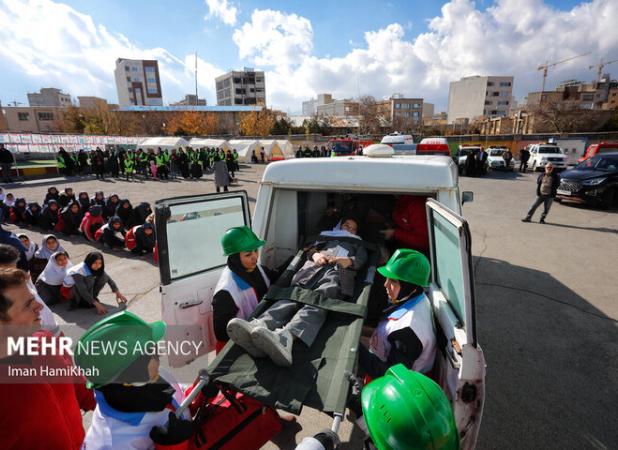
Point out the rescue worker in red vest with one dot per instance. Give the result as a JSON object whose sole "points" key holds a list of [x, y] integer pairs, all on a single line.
{"points": [[242, 283], [405, 410], [405, 334], [134, 397]]}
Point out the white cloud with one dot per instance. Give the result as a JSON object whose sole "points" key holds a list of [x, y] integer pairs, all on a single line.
{"points": [[55, 45], [511, 37], [273, 38], [223, 10]]}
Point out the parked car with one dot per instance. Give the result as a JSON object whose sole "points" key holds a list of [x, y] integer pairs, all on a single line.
{"points": [[594, 181], [495, 159], [433, 146], [597, 149], [542, 154]]}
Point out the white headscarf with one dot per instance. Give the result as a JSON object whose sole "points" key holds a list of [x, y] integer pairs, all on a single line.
{"points": [[43, 252], [8, 202], [30, 250], [53, 274]]}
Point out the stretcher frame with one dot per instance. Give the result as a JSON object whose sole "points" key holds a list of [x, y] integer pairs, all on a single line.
{"points": [[345, 365]]}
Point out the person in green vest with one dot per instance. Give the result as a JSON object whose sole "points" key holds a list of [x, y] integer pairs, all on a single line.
{"points": [[142, 164], [162, 169], [61, 161], [235, 160], [129, 166]]}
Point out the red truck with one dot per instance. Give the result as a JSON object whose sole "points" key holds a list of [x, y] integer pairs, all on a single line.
{"points": [[602, 147]]}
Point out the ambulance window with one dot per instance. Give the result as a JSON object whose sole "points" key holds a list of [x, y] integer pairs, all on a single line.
{"points": [[194, 234], [448, 265]]}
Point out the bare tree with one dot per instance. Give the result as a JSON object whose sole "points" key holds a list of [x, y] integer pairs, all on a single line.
{"points": [[560, 116], [370, 122]]}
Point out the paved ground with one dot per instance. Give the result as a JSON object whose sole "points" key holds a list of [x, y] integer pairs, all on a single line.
{"points": [[546, 310]]}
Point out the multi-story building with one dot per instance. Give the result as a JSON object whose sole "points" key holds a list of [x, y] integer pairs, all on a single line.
{"points": [[310, 107], [428, 110], [475, 97], [401, 112], [49, 97], [91, 102], [190, 100], [338, 108], [33, 119], [246, 87], [138, 82]]}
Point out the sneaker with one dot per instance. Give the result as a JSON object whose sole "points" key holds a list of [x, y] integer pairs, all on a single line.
{"points": [[527, 219], [276, 344], [239, 331]]}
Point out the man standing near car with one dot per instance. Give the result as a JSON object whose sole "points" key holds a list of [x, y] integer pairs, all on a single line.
{"points": [[524, 156], [546, 187]]}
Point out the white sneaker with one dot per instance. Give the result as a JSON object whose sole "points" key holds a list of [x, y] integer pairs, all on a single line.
{"points": [[239, 331], [276, 344]]}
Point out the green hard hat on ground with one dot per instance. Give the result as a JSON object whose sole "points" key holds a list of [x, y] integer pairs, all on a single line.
{"points": [[409, 266], [123, 330], [405, 410], [240, 239]]}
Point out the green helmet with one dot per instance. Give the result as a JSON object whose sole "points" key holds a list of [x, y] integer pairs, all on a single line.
{"points": [[406, 410], [407, 265], [123, 330], [240, 239]]}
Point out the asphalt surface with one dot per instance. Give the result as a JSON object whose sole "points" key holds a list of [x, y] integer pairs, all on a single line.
{"points": [[546, 302]]}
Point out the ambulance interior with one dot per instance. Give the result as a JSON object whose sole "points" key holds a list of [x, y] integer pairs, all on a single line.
{"points": [[190, 265]]}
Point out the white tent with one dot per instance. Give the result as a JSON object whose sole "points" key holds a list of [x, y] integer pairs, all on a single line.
{"points": [[163, 142], [271, 149], [216, 143], [287, 149], [245, 147]]}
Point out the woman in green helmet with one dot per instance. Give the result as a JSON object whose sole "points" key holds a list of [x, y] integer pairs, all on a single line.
{"points": [[405, 333], [242, 283]]}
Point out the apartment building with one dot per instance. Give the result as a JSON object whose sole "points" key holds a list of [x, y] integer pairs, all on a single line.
{"points": [[33, 119], [246, 87], [190, 100], [49, 97], [138, 82], [475, 97], [401, 112]]}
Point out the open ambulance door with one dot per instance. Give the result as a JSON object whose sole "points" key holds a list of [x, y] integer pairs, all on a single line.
{"points": [[460, 359], [189, 231]]}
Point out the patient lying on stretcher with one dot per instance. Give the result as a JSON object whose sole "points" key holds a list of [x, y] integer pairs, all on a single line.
{"points": [[331, 268]]}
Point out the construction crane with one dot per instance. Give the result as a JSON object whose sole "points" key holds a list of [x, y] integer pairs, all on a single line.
{"points": [[547, 65], [600, 67]]}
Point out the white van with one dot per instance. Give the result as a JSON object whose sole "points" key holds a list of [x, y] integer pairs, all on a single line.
{"points": [[292, 197]]}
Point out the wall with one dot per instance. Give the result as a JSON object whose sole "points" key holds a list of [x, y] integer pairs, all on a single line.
{"points": [[466, 98]]}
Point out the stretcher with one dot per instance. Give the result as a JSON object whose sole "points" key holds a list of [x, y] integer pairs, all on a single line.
{"points": [[320, 377]]}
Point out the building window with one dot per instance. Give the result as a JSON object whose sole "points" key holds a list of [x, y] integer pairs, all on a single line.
{"points": [[151, 80], [488, 102], [259, 80], [503, 103], [238, 101], [130, 90], [505, 84], [490, 83], [149, 69], [397, 105], [46, 116], [259, 89], [236, 80], [23, 116], [494, 112], [406, 114], [241, 91], [417, 105], [415, 114], [152, 90], [134, 69], [129, 79], [126, 68], [496, 93]]}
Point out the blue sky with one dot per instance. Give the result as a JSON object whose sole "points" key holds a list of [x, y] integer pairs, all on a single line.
{"points": [[344, 47]]}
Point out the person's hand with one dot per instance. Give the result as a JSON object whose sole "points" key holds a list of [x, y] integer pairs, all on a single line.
{"points": [[388, 233], [120, 298], [319, 259], [343, 262], [101, 310]]}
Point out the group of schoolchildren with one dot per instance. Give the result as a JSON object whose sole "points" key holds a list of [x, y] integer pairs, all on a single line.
{"points": [[112, 221], [159, 164]]}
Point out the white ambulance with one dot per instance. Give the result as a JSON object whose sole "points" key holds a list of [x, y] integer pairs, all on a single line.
{"points": [[292, 197]]}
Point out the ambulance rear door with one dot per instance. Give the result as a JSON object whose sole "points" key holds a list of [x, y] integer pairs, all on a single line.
{"points": [[189, 231], [461, 362]]}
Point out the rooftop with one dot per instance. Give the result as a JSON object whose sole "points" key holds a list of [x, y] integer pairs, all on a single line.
{"points": [[233, 108]]}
